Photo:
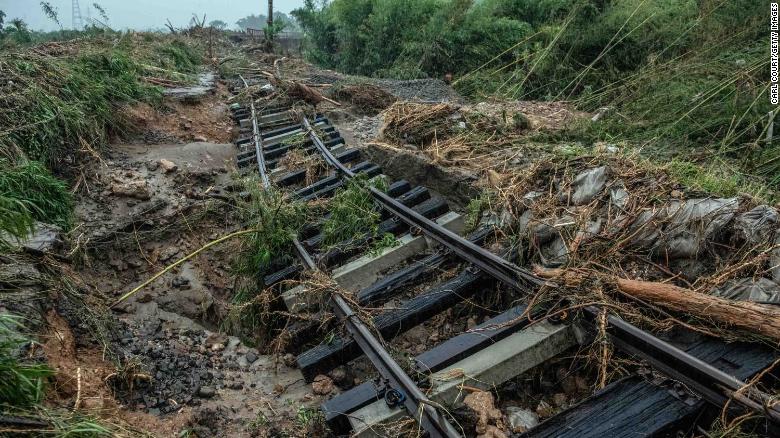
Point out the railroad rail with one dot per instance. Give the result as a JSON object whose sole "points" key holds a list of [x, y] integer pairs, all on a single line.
{"points": [[399, 389]]}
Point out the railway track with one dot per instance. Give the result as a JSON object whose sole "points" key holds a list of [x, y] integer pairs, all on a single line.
{"points": [[711, 373]]}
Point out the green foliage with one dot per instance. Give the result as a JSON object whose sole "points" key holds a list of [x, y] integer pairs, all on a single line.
{"points": [[676, 73], [353, 211], [276, 220], [21, 383], [52, 107], [51, 12], [28, 193], [180, 56], [218, 24]]}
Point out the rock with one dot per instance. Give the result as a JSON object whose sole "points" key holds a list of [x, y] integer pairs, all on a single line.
{"points": [[588, 184], [289, 359], [774, 259], [218, 347], [471, 323], [521, 420], [489, 418], [168, 166], [206, 392], [168, 253], [322, 385], [151, 166], [200, 139], [180, 282], [251, 357], [339, 376], [138, 189]]}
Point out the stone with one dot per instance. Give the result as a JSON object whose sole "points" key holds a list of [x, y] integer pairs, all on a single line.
{"points": [[138, 189], [521, 420], [251, 357], [339, 376], [168, 166], [206, 392], [322, 385]]}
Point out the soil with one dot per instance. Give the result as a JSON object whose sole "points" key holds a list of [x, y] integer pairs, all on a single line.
{"points": [[164, 367]]}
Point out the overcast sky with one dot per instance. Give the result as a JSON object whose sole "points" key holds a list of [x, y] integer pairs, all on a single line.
{"points": [[143, 14]]}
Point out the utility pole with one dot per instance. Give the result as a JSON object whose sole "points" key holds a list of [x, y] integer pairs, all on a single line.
{"points": [[270, 19]]}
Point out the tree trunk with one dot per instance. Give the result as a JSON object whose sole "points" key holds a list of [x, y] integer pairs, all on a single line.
{"points": [[761, 319]]}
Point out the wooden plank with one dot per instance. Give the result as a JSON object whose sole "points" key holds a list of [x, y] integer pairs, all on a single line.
{"points": [[392, 323], [337, 409], [634, 407]]}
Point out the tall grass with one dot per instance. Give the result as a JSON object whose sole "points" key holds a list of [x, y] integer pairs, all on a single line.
{"points": [[21, 383]]}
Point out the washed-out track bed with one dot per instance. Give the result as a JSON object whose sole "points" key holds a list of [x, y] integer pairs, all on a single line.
{"points": [[473, 301]]}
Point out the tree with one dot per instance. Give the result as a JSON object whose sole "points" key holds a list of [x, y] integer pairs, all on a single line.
{"points": [[218, 24], [253, 21], [2, 19], [51, 12]]}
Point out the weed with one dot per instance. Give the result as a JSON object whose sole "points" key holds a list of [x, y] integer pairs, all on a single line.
{"points": [[305, 417], [388, 240], [474, 211], [21, 383], [353, 211]]}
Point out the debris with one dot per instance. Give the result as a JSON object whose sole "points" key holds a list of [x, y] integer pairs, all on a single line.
{"points": [[367, 98], [759, 319], [322, 385], [757, 225], [521, 420], [762, 290], [588, 184]]}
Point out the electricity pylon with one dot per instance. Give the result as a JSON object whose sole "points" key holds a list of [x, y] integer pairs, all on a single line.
{"points": [[78, 22]]}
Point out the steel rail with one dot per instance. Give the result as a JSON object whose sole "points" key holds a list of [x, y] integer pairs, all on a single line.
{"points": [[713, 385], [258, 140], [414, 401]]}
